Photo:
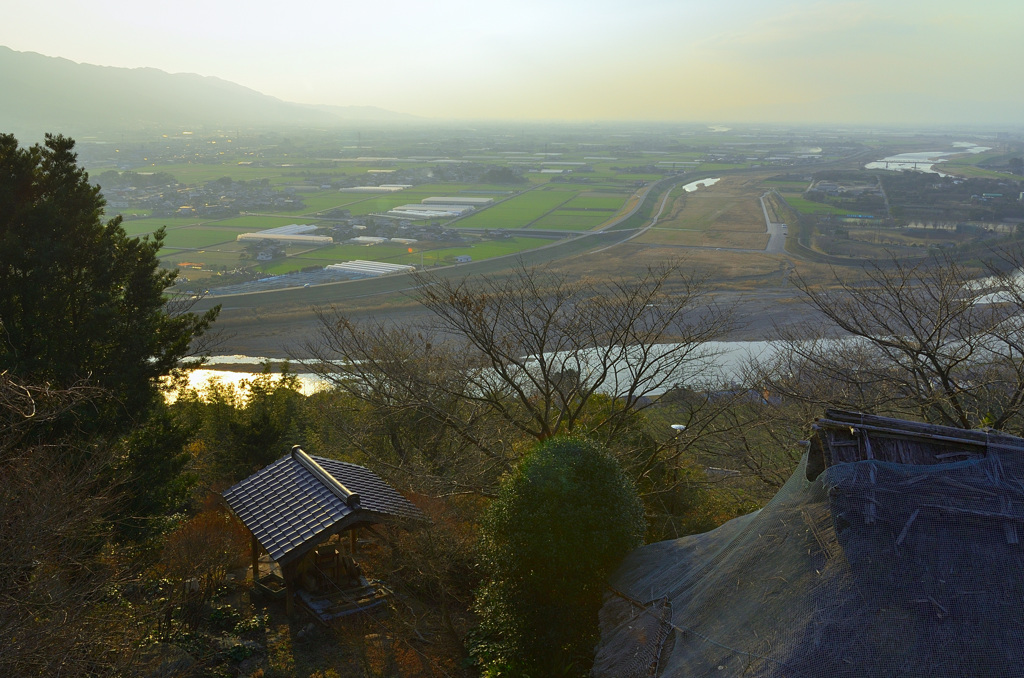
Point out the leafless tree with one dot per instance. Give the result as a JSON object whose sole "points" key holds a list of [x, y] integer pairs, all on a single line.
{"points": [[55, 503], [526, 357], [934, 339]]}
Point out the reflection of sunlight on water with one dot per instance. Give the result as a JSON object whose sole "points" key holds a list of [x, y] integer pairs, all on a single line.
{"points": [[199, 378], [725, 360]]}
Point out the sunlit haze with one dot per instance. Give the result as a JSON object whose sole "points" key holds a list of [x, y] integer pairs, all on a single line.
{"points": [[867, 61]]}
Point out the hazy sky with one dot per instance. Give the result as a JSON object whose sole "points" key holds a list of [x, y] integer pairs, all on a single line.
{"points": [[900, 61]]}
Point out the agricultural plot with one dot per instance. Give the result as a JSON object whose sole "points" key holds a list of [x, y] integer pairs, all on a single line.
{"points": [[630, 178], [596, 201], [192, 262], [140, 227], [713, 239], [727, 214], [585, 211], [323, 200], [572, 221], [261, 223], [966, 165], [518, 212], [399, 254], [383, 203], [496, 191], [718, 166], [487, 249], [336, 253], [808, 207], [787, 186], [199, 236], [200, 173]]}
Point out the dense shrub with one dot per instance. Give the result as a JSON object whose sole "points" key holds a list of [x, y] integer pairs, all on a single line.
{"points": [[559, 526]]}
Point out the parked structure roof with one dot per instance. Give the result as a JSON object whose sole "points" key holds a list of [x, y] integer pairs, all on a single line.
{"points": [[300, 500]]}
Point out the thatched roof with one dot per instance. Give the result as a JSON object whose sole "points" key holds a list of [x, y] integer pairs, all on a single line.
{"points": [[865, 565]]}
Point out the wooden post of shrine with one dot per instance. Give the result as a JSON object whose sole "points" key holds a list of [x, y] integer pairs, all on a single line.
{"points": [[255, 548]]}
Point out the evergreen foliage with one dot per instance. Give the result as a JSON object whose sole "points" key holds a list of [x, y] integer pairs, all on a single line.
{"points": [[81, 302], [559, 526], [243, 428]]}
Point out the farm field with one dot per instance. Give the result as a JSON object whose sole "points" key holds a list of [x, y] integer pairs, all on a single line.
{"points": [[137, 227], [199, 236], [261, 223], [967, 166], [560, 220], [713, 239], [486, 249], [727, 214], [787, 186], [809, 207], [203, 262], [596, 201], [585, 211], [557, 206], [399, 254], [517, 212]]}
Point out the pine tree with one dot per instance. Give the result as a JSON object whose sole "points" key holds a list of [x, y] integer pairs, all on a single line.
{"points": [[80, 300]]}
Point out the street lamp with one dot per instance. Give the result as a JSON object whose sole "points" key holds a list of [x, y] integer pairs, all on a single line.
{"points": [[678, 428]]}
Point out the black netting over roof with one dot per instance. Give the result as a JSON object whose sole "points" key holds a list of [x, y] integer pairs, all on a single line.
{"points": [[874, 568]]}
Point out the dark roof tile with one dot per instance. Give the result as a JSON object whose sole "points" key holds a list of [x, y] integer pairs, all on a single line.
{"points": [[287, 508]]}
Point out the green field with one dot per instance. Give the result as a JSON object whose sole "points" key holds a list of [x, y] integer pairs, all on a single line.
{"points": [[572, 221], [200, 173], [716, 166], [518, 212], [967, 166], [261, 223], [488, 249], [596, 202], [323, 200], [787, 186], [199, 236], [210, 260], [137, 227], [629, 179], [336, 253], [399, 254], [808, 207]]}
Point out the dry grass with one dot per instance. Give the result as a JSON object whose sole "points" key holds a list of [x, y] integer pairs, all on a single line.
{"points": [[724, 215], [724, 269], [712, 238]]}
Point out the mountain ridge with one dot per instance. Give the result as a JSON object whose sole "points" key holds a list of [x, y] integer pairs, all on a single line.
{"points": [[57, 94]]}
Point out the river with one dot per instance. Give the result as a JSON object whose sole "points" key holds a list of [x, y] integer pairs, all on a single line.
{"points": [[726, 362], [924, 161]]}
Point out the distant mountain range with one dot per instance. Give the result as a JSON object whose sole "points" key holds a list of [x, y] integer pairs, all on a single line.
{"points": [[53, 94]]}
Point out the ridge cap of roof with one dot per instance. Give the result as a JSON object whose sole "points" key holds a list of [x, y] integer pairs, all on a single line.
{"points": [[350, 498]]}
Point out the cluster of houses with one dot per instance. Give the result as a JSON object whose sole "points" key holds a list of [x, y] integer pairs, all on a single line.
{"points": [[216, 199]]}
